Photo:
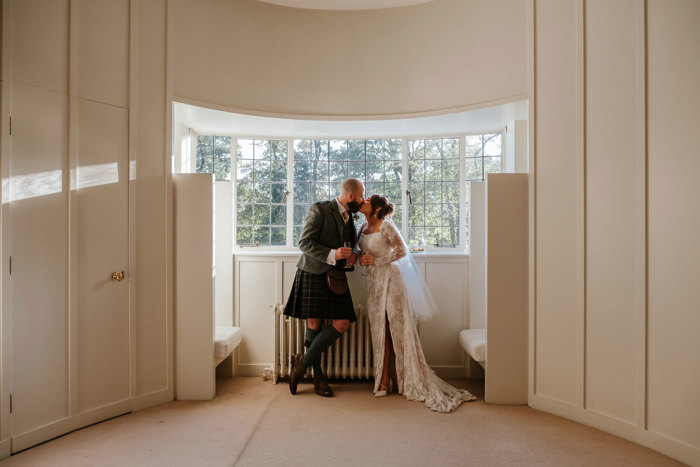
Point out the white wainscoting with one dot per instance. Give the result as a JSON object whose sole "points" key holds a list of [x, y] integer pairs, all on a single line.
{"points": [[262, 279]]}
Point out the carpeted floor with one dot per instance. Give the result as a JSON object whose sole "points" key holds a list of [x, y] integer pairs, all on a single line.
{"points": [[253, 422]]}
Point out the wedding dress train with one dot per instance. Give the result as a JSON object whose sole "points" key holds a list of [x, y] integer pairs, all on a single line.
{"points": [[388, 297]]}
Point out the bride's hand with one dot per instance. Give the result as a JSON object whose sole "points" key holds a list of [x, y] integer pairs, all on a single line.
{"points": [[367, 260]]}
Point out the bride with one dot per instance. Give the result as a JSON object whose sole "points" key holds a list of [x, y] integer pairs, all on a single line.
{"points": [[396, 298]]}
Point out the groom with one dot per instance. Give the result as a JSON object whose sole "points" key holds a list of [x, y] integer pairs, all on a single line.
{"points": [[327, 226]]}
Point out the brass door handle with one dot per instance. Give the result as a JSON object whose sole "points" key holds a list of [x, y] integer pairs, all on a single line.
{"points": [[118, 276]]}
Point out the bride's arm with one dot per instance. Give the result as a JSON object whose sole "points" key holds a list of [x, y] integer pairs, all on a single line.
{"points": [[398, 248]]}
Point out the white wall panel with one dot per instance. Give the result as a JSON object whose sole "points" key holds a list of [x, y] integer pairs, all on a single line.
{"points": [[440, 335], [614, 58], [289, 270], [149, 194], [39, 233], [674, 193], [477, 256], [257, 295], [506, 288], [636, 87], [223, 241], [257, 288], [556, 202], [104, 51], [40, 43]]}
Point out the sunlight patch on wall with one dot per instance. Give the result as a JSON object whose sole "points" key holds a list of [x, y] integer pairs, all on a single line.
{"points": [[96, 175], [35, 185]]}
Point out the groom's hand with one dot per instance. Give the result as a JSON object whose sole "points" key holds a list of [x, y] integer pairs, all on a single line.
{"points": [[352, 259], [343, 253]]}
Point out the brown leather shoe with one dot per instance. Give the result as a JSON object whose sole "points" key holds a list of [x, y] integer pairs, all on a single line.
{"points": [[322, 388], [296, 374]]}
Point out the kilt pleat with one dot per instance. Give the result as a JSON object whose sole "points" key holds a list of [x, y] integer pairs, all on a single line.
{"points": [[310, 297]]}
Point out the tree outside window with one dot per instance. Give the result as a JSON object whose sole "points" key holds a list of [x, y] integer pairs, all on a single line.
{"points": [[433, 185], [261, 182], [214, 156]]}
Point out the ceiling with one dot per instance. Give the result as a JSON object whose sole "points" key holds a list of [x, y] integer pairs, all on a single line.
{"points": [[210, 121], [345, 4]]}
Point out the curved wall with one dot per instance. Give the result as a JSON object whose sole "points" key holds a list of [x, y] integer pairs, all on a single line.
{"points": [[261, 58], [614, 297]]}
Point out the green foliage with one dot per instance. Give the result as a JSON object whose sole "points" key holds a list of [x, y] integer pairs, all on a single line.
{"points": [[320, 165], [214, 156]]}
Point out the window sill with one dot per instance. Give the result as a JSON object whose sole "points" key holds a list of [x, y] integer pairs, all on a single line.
{"points": [[266, 252], [418, 255]]}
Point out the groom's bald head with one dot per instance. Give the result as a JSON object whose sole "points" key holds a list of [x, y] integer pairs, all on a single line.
{"points": [[351, 185]]}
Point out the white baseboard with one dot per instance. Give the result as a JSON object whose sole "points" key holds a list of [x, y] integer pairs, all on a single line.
{"points": [[151, 399], [66, 425], [5, 448], [256, 369], [250, 369], [665, 445], [449, 371]]}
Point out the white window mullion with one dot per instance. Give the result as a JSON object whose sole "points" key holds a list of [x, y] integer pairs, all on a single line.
{"points": [[404, 188], [290, 190], [504, 141], [463, 192], [234, 188], [193, 148]]}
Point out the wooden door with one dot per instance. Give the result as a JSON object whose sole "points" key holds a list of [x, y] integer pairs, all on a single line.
{"points": [[100, 206], [39, 257]]}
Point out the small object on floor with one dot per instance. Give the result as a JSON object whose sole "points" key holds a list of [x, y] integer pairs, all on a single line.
{"points": [[296, 374]]}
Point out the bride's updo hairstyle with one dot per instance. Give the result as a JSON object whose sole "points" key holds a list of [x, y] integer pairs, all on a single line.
{"points": [[379, 201]]}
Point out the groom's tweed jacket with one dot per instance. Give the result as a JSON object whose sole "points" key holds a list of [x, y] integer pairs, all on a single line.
{"points": [[323, 231], [310, 297]]}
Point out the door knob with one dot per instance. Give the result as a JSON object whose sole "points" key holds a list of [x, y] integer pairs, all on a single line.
{"points": [[118, 276]]}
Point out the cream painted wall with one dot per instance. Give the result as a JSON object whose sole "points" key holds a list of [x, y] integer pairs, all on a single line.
{"points": [[615, 309], [151, 197], [257, 57], [108, 56], [673, 379], [557, 242]]}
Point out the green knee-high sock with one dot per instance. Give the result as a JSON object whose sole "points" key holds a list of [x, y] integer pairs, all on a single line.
{"points": [[323, 340], [310, 336]]}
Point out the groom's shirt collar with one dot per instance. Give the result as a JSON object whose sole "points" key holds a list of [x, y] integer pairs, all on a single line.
{"points": [[341, 208]]}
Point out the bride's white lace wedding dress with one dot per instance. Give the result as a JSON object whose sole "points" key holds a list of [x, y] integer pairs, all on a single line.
{"points": [[387, 297]]}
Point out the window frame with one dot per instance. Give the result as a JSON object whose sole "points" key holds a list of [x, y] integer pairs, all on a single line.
{"points": [[404, 227]]}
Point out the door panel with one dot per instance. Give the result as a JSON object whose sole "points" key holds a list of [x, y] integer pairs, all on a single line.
{"points": [[101, 210], [39, 249]]}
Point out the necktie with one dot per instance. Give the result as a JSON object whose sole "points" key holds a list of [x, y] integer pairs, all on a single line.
{"points": [[345, 216]]}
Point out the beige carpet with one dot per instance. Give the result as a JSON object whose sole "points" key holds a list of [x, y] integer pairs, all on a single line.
{"points": [[252, 422]]}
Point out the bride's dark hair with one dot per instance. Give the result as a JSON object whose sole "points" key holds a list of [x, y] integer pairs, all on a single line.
{"points": [[379, 201]]}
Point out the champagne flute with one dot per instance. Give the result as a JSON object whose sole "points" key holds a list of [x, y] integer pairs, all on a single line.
{"points": [[347, 245], [363, 268]]}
